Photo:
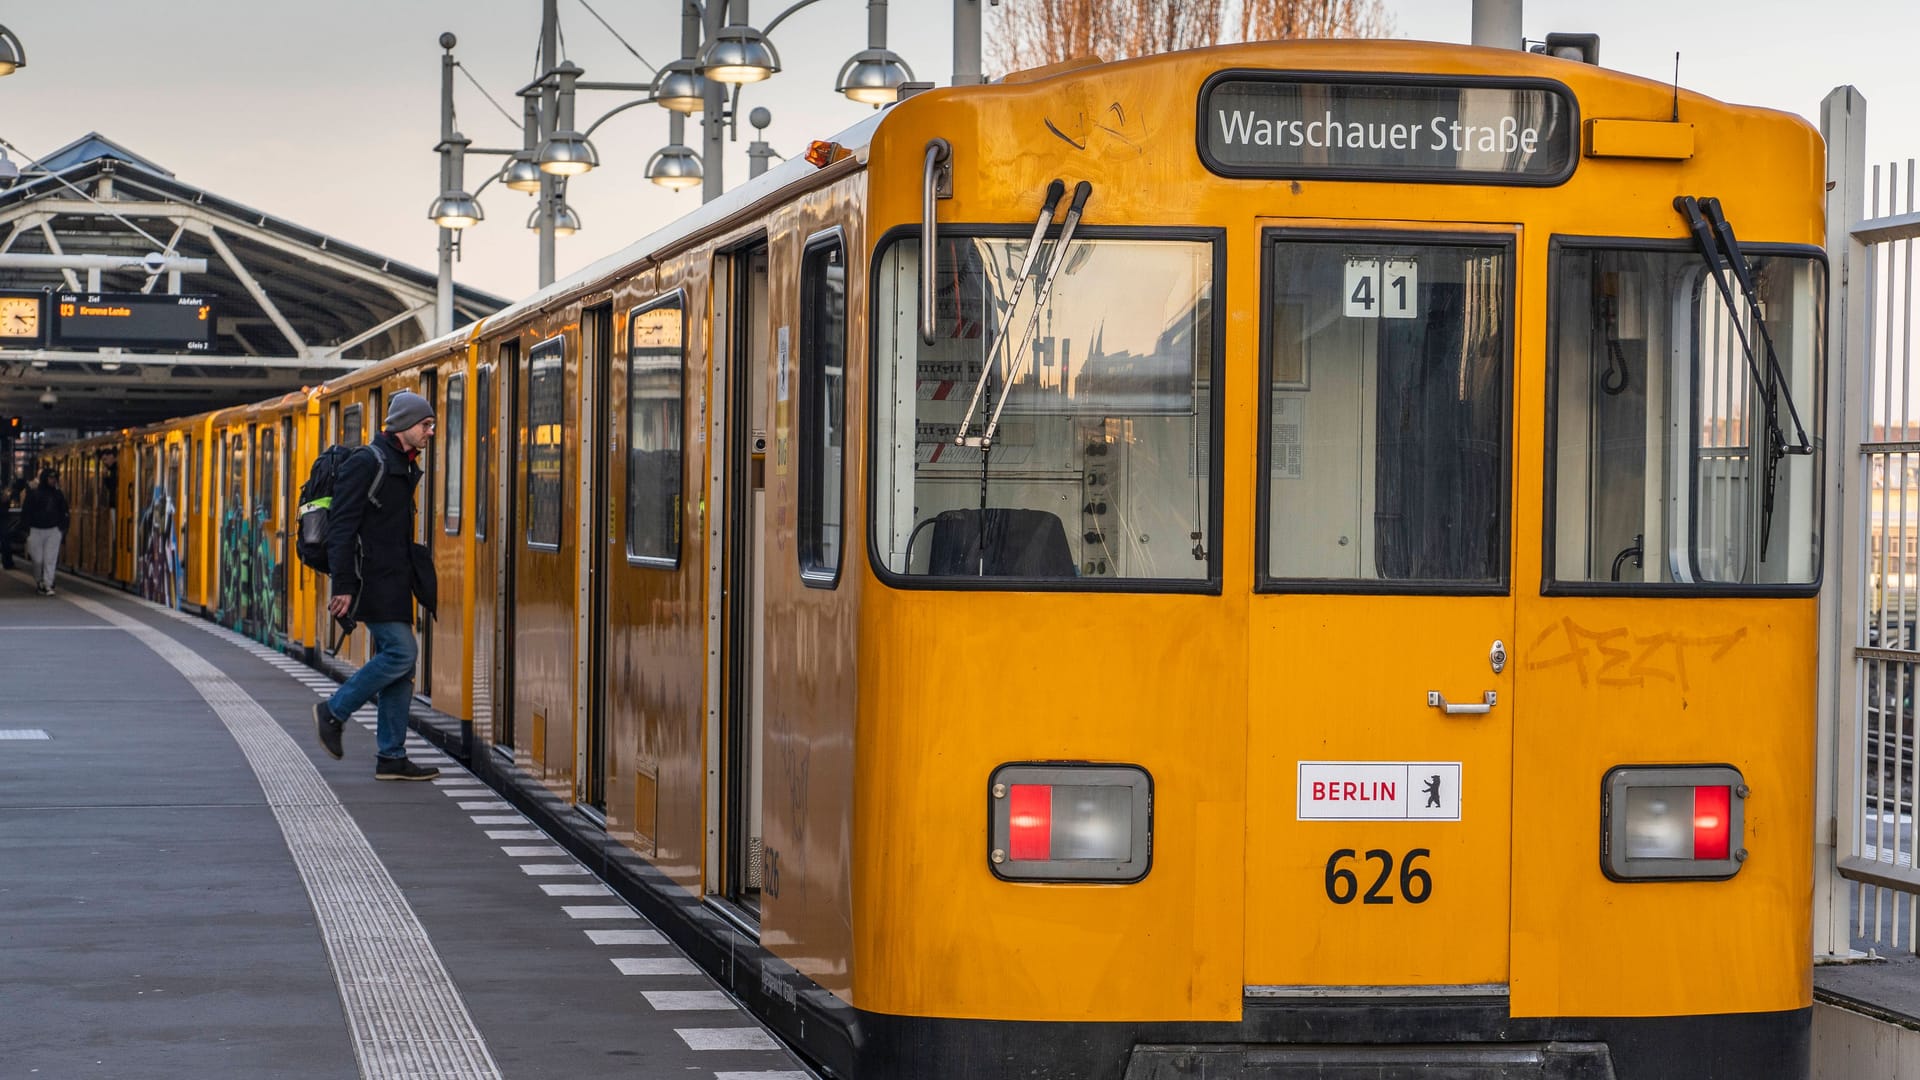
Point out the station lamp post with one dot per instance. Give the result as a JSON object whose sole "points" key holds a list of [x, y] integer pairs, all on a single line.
{"points": [[12, 53], [721, 51]]}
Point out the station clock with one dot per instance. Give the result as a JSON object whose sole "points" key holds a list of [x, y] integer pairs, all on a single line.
{"points": [[20, 320]]}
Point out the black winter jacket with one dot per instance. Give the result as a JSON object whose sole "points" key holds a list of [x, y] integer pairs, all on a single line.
{"points": [[368, 546], [45, 507]]}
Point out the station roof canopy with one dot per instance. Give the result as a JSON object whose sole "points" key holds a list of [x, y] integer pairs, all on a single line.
{"points": [[290, 306]]}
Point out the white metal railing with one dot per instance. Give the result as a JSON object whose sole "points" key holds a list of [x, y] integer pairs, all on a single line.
{"points": [[1870, 648]]}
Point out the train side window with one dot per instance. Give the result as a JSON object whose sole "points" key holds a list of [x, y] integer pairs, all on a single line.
{"points": [[237, 474], [1101, 470], [1384, 441], [656, 374], [454, 452], [546, 441], [1661, 468], [375, 414], [350, 434], [823, 408], [266, 473]]}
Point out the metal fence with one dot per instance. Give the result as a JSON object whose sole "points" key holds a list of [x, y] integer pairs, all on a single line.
{"points": [[1870, 648]]}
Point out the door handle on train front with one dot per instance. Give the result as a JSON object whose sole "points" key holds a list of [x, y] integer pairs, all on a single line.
{"points": [[1435, 700]]}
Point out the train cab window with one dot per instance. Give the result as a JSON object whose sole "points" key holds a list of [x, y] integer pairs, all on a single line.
{"points": [[1099, 471], [546, 441], [1383, 441], [1675, 449], [350, 434], [656, 371], [823, 407], [454, 452]]}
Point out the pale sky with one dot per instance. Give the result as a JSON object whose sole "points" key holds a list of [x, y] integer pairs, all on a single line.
{"points": [[326, 113]]}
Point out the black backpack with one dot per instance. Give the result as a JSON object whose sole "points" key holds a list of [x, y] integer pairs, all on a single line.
{"points": [[316, 501]]}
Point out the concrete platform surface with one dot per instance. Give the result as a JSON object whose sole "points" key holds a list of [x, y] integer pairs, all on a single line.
{"points": [[190, 887]]}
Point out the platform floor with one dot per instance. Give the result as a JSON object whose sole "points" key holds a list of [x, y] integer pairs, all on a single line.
{"points": [[191, 887]]}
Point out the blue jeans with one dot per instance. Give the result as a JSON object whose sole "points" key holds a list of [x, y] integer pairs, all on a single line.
{"points": [[387, 675]]}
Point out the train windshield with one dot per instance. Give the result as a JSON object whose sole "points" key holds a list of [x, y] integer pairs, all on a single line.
{"points": [[1675, 449], [1099, 470]]}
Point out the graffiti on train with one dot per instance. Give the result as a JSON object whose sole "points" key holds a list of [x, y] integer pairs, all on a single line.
{"points": [[158, 570], [253, 588]]}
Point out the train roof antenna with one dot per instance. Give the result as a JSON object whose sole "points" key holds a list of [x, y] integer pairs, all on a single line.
{"points": [[1676, 86]]}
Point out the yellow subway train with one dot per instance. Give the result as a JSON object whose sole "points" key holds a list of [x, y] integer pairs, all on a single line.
{"points": [[1277, 560]]}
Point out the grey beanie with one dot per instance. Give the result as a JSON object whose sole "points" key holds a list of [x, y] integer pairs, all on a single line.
{"points": [[406, 409]]}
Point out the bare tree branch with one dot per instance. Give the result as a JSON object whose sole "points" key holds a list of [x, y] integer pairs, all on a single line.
{"points": [[1033, 33]]}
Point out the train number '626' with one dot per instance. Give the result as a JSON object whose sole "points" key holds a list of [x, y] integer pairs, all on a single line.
{"points": [[1343, 884]]}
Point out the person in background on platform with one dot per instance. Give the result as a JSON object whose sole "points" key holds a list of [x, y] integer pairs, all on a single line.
{"points": [[375, 579], [45, 508], [10, 519]]}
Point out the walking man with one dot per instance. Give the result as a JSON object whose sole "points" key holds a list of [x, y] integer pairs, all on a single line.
{"points": [[370, 548], [45, 509]]}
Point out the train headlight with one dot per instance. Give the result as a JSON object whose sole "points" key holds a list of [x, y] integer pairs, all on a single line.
{"points": [[1065, 821], [1672, 823]]}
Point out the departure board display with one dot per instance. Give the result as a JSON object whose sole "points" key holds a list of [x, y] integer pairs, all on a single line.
{"points": [[132, 321]]}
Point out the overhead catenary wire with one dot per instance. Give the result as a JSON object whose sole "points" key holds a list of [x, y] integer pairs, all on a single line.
{"points": [[483, 93], [651, 66]]}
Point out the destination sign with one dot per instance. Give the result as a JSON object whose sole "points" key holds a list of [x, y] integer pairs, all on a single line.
{"points": [[1277, 125], [132, 321]]}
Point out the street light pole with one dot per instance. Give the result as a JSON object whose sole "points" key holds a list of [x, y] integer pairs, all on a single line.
{"points": [[712, 118], [966, 43], [549, 57], [443, 293]]}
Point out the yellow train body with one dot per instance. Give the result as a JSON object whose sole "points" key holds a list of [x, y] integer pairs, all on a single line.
{"points": [[774, 715]]}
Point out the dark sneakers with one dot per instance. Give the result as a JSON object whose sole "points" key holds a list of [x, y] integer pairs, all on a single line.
{"points": [[402, 769], [328, 727]]}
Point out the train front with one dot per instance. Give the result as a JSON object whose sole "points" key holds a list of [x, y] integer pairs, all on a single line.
{"points": [[1342, 574]]}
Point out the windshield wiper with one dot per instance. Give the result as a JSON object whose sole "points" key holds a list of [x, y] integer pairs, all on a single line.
{"points": [[1054, 191], [1714, 237], [1016, 359]]}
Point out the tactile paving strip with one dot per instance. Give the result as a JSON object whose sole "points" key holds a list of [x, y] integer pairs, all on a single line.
{"points": [[406, 1016]]}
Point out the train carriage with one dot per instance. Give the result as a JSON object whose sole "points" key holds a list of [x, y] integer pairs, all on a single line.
{"points": [[1286, 560]]}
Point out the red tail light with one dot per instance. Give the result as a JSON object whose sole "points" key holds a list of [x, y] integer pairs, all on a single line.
{"points": [[1711, 821], [1063, 821], [1673, 822], [1030, 821]]}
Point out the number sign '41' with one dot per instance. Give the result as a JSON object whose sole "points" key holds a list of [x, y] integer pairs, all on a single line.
{"points": [[1383, 289]]}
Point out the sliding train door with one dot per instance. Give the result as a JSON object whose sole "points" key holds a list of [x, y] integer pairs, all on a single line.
{"points": [[736, 576], [495, 452], [545, 560], [426, 500], [596, 346]]}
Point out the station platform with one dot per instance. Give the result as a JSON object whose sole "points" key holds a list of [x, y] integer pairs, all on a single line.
{"points": [[191, 887]]}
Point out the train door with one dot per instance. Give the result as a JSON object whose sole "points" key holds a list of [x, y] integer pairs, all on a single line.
{"points": [[736, 575], [488, 613], [596, 344], [426, 499], [176, 525], [190, 517], [501, 404], [545, 562], [1380, 735]]}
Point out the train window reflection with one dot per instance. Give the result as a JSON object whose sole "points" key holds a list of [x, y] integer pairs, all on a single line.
{"points": [[1100, 470], [1663, 469], [656, 368], [1385, 446], [545, 453]]}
